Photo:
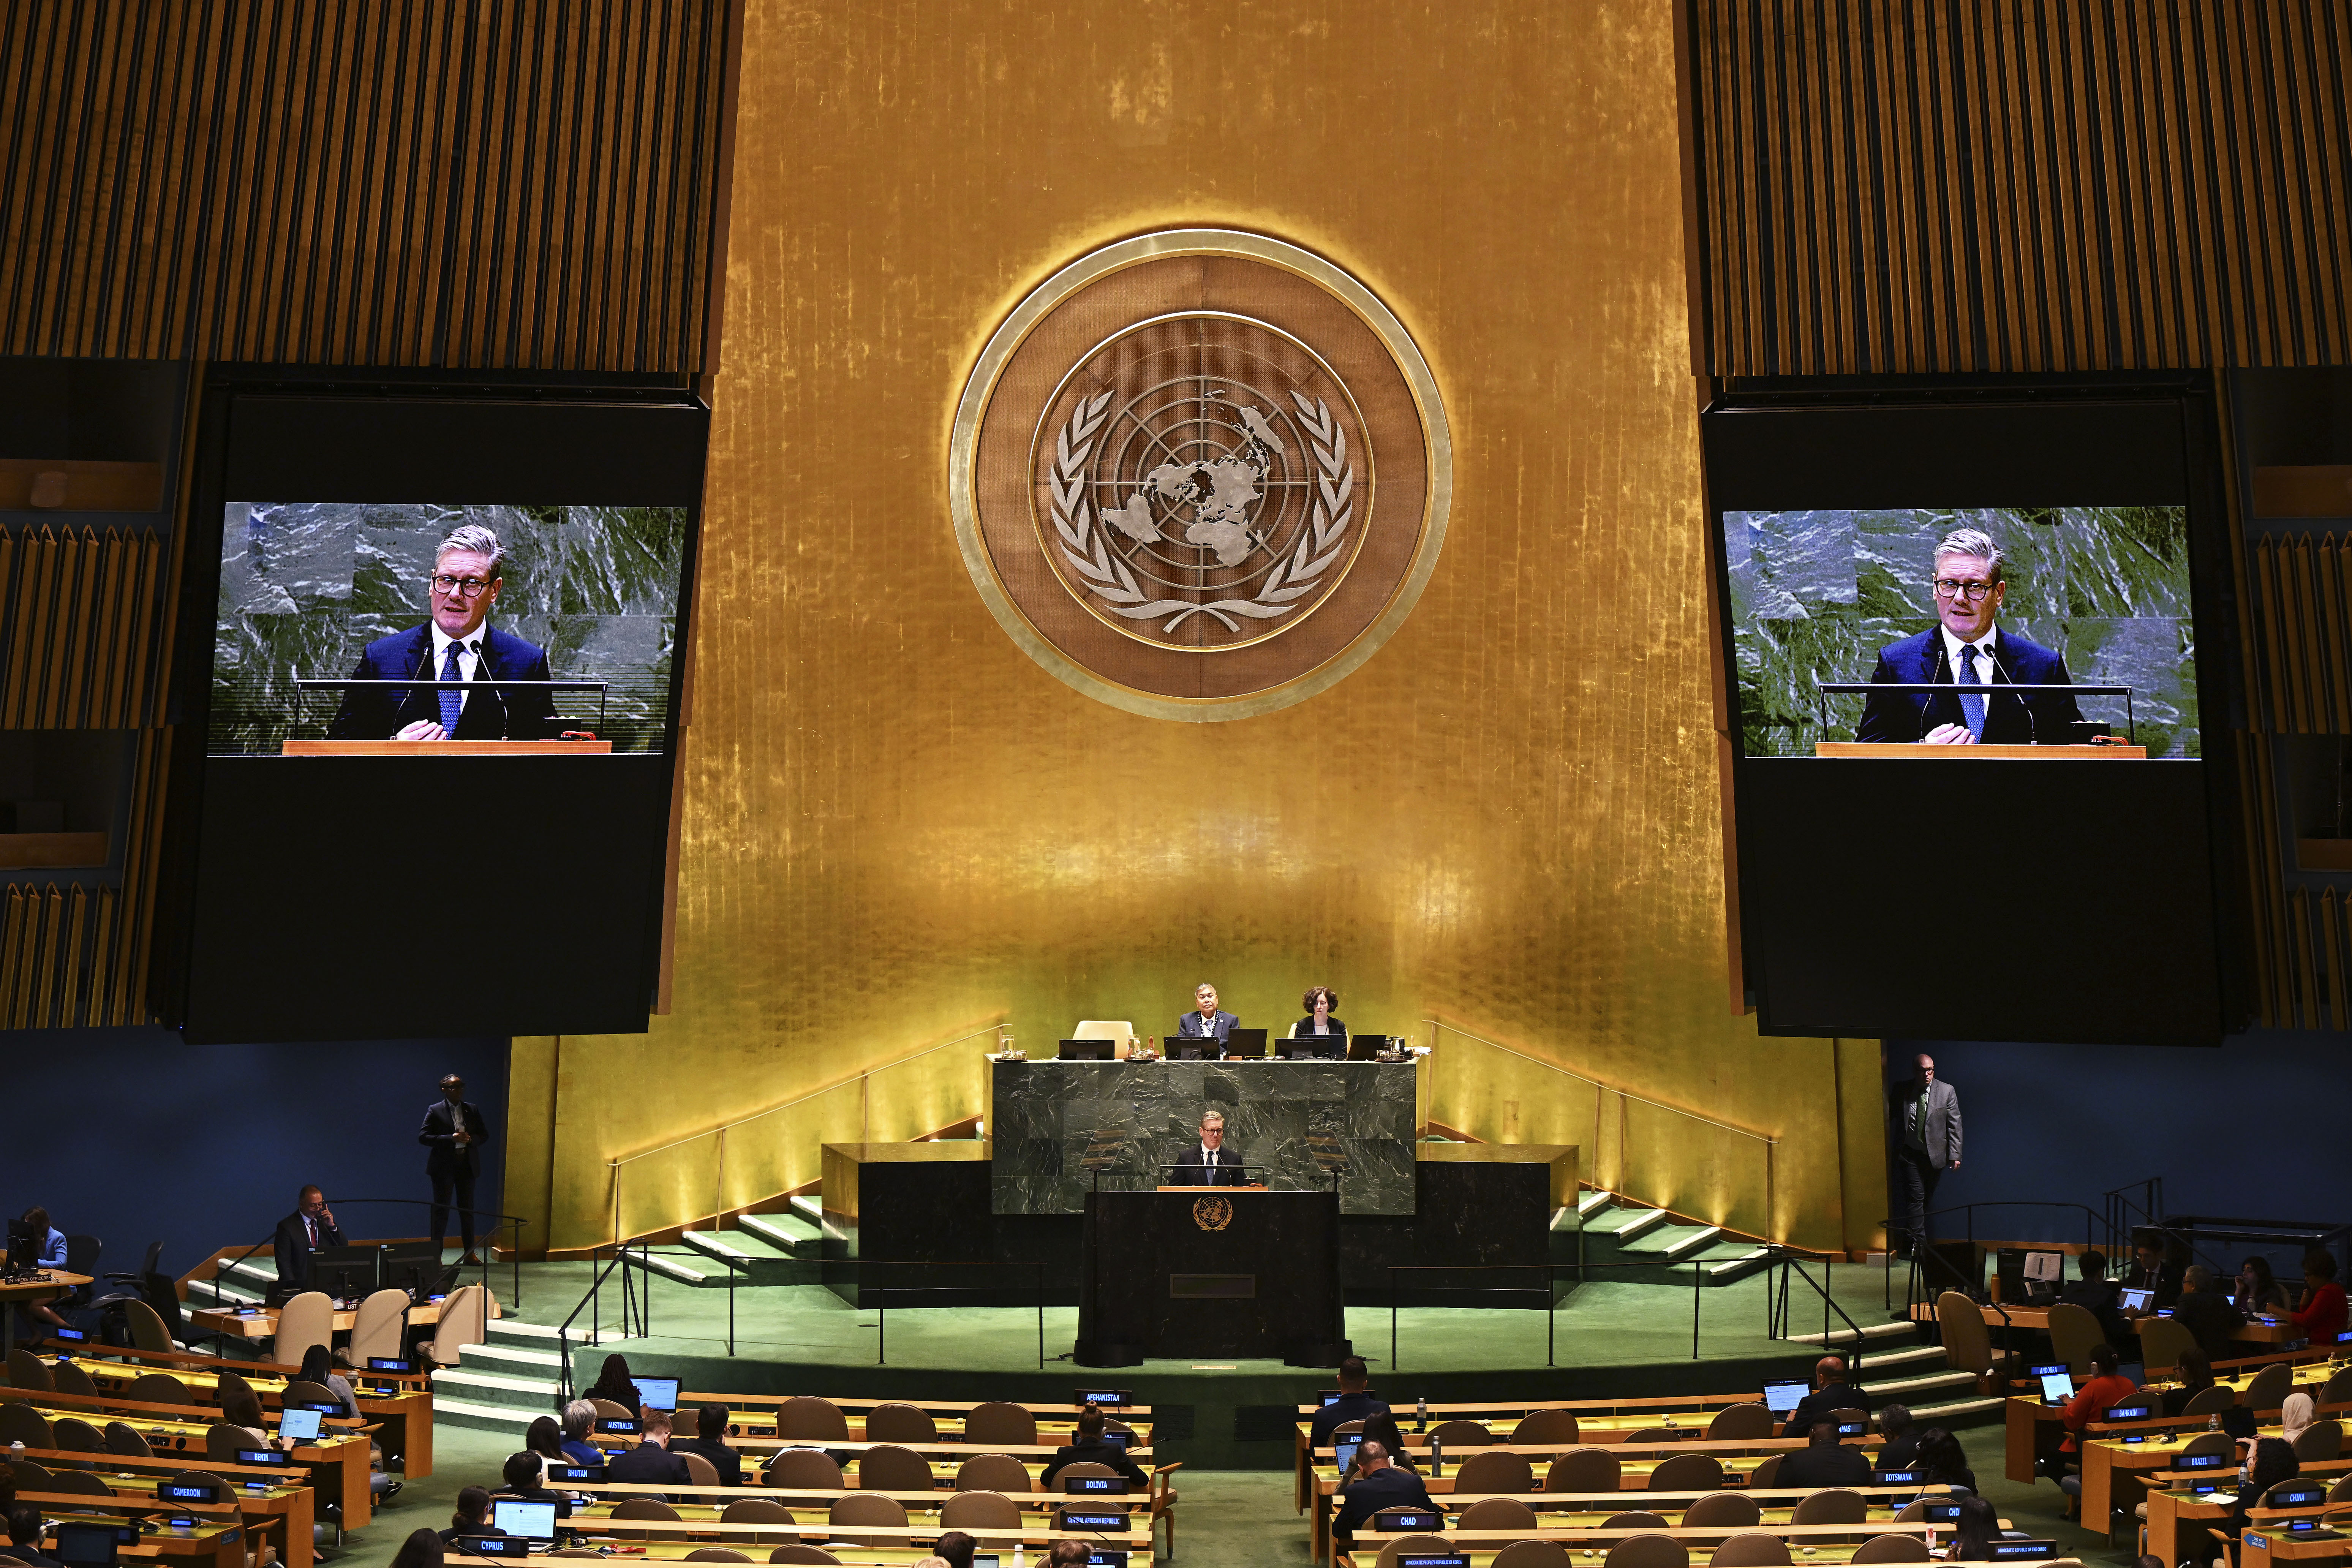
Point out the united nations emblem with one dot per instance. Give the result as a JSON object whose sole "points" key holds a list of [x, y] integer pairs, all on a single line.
{"points": [[1201, 474], [1212, 1214]]}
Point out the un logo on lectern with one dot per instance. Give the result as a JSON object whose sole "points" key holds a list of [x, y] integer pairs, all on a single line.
{"points": [[1201, 474], [1212, 1214]]}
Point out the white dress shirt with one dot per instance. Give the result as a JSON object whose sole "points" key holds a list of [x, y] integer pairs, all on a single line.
{"points": [[469, 656], [1985, 665]]}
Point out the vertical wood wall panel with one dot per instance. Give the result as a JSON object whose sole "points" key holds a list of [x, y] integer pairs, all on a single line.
{"points": [[442, 182], [1964, 185]]}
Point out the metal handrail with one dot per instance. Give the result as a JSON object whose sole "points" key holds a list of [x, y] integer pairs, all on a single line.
{"points": [[882, 1303], [518, 1221], [719, 1197], [1788, 1259], [1923, 1245], [1771, 1143]]}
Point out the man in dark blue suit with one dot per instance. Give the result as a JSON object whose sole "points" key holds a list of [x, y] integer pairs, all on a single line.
{"points": [[1968, 650], [453, 644], [1205, 1022]]}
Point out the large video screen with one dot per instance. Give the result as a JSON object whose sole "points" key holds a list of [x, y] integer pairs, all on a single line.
{"points": [[2064, 626], [429, 624]]}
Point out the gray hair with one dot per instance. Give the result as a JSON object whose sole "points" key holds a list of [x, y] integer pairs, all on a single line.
{"points": [[475, 540], [1895, 1420], [2196, 1277], [578, 1417], [1975, 543], [1216, 1116]]}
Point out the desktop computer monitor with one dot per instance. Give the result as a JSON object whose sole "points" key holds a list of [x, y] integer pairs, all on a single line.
{"points": [[1086, 1051]]}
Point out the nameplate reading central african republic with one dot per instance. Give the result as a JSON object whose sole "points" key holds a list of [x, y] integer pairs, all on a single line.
{"points": [[1201, 474]]}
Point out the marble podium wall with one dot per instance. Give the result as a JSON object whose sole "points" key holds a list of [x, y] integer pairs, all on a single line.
{"points": [[1051, 1123]]}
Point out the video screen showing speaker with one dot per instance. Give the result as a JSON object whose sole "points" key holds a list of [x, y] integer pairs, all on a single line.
{"points": [[1963, 625], [428, 677], [343, 625], [1966, 633]]}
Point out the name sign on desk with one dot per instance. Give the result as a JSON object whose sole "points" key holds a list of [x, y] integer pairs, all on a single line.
{"points": [[1432, 1560], [1398, 1520], [76, 1337], [2007, 1551], [1108, 1398], [575, 1472], [2199, 1461], [263, 1457], [1095, 1485], [187, 1491], [2128, 1412], [620, 1426], [1093, 1519]]}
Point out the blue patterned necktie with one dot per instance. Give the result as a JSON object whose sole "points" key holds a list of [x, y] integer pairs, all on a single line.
{"points": [[454, 702], [1972, 709]]}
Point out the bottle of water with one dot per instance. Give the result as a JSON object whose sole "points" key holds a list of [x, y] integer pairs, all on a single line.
{"points": [[1436, 1457], [1421, 1414]]}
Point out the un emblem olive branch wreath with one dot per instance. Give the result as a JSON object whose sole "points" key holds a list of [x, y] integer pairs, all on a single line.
{"points": [[1319, 543]]}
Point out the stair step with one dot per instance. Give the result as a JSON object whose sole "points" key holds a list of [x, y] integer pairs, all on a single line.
{"points": [[1906, 1356], [535, 1395], [483, 1417], [1586, 1202], [1672, 1242], [544, 1335], [511, 1359], [1623, 1224], [677, 1269], [1954, 1413], [1927, 1383], [1845, 1336], [1724, 1264], [810, 1207], [788, 1233], [215, 1293], [737, 1245], [262, 1271]]}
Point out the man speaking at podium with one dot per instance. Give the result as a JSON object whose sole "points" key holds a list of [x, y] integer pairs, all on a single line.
{"points": [[1967, 649], [1207, 1164], [453, 644]]}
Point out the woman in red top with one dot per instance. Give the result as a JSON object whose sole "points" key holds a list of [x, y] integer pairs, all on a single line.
{"points": [[2322, 1317]]}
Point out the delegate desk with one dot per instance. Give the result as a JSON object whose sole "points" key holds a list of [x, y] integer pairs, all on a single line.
{"points": [[403, 1416], [2117, 1456], [2177, 1515], [2031, 1422], [1214, 1271], [41, 1285], [267, 1498], [2270, 1536], [1999, 1315], [261, 1322]]}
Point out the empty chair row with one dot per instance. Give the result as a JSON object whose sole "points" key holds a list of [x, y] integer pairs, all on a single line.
{"points": [[1757, 1549], [975, 1509], [1717, 1511], [808, 1419], [897, 1469], [1733, 1424]]}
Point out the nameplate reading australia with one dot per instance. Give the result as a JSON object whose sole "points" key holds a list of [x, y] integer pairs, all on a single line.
{"points": [[1201, 474]]}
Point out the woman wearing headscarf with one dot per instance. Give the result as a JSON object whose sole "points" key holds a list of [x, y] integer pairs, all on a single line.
{"points": [[2296, 1413]]}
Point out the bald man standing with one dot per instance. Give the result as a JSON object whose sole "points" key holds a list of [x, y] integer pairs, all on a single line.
{"points": [[1927, 1142]]}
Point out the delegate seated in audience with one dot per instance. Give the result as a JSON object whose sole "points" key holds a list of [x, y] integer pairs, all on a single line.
{"points": [[2095, 1293], [1830, 1391], [2274, 1461], [1973, 1535], [1354, 1404], [710, 1442], [1088, 1446], [2196, 1374], [613, 1384], [2153, 1269], [2107, 1386], [25, 1537], [2204, 1312], [1943, 1461], [579, 1420], [1384, 1430], [318, 1367], [1068, 1553], [472, 1517], [242, 1407], [1823, 1462], [545, 1439], [526, 1479], [2320, 1316], [421, 1550], [1378, 1484], [1899, 1449], [955, 1549], [2295, 1413], [650, 1463], [2257, 1291], [50, 1253]]}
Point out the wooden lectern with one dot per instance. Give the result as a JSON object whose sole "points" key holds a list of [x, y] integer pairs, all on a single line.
{"points": [[1214, 1271], [1916, 750], [445, 748]]}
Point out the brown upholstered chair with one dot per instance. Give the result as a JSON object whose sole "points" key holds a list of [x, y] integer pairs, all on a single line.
{"points": [[802, 1553], [1581, 1470], [26, 1371], [158, 1388], [892, 1468], [993, 1473], [1395, 1546], [1460, 1433], [1544, 1427], [1635, 1519], [124, 1438], [898, 1423], [1687, 1473], [704, 1472], [715, 1554], [872, 1516], [1740, 1423], [1495, 1470], [980, 1510], [645, 1508], [756, 1511], [1532, 1555], [1719, 1510], [1648, 1552], [806, 1417], [1892, 1548], [804, 1469], [999, 1423], [1838, 1505], [1756, 1548], [1497, 1513]]}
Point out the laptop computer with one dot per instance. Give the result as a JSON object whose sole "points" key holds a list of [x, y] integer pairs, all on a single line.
{"points": [[1782, 1398], [88, 1545], [2135, 1301], [1364, 1048], [1086, 1051], [1307, 1047], [2058, 1387], [523, 1518], [657, 1392], [1245, 1043]]}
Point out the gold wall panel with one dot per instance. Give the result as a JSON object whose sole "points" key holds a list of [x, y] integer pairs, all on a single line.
{"points": [[896, 823]]}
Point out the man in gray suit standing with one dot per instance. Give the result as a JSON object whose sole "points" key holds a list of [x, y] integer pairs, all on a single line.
{"points": [[1926, 1143]]}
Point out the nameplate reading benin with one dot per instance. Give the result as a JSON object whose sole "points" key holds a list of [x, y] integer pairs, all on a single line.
{"points": [[1212, 1287], [1212, 1214]]}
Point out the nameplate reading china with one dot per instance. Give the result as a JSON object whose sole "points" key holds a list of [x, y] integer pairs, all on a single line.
{"points": [[1200, 474]]}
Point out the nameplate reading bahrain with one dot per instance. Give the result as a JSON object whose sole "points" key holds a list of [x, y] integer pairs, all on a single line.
{"points": [[1915, 751], [1200, 474]]}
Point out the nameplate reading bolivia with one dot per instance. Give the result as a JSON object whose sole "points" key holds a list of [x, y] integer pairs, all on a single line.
{"points": [[1201, 474]]}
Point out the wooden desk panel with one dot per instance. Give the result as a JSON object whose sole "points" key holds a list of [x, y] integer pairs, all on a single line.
{"points": [[451, 748], [1980, 750]]}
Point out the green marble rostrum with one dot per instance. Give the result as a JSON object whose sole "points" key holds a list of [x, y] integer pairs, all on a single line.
{"points": [[1815, 594], [304, 586]]}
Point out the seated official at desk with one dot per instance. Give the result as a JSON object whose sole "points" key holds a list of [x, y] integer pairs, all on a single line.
{"points": [[650, 1463], [1209, 1164], [48, 1252], [1204, 1022], [2154, 1269], [472, 1517], [2204, 1312], [1823, 1462], [1088, 1446], [1946, 1462], [2320, 1316], [1899, 1447], [1330, 1034], [25, 1533], [1831, 1392], [310, 1226], [2096, 1294], [1375, 1485], [710, 1425], [526, 1480], [1355, 1403], [579, 1420], [2107, 1386], [2257, 1291], [2195, 1375]]}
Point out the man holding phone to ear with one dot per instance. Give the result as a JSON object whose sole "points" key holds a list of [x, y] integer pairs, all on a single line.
{"points": [[310, 1226]]}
